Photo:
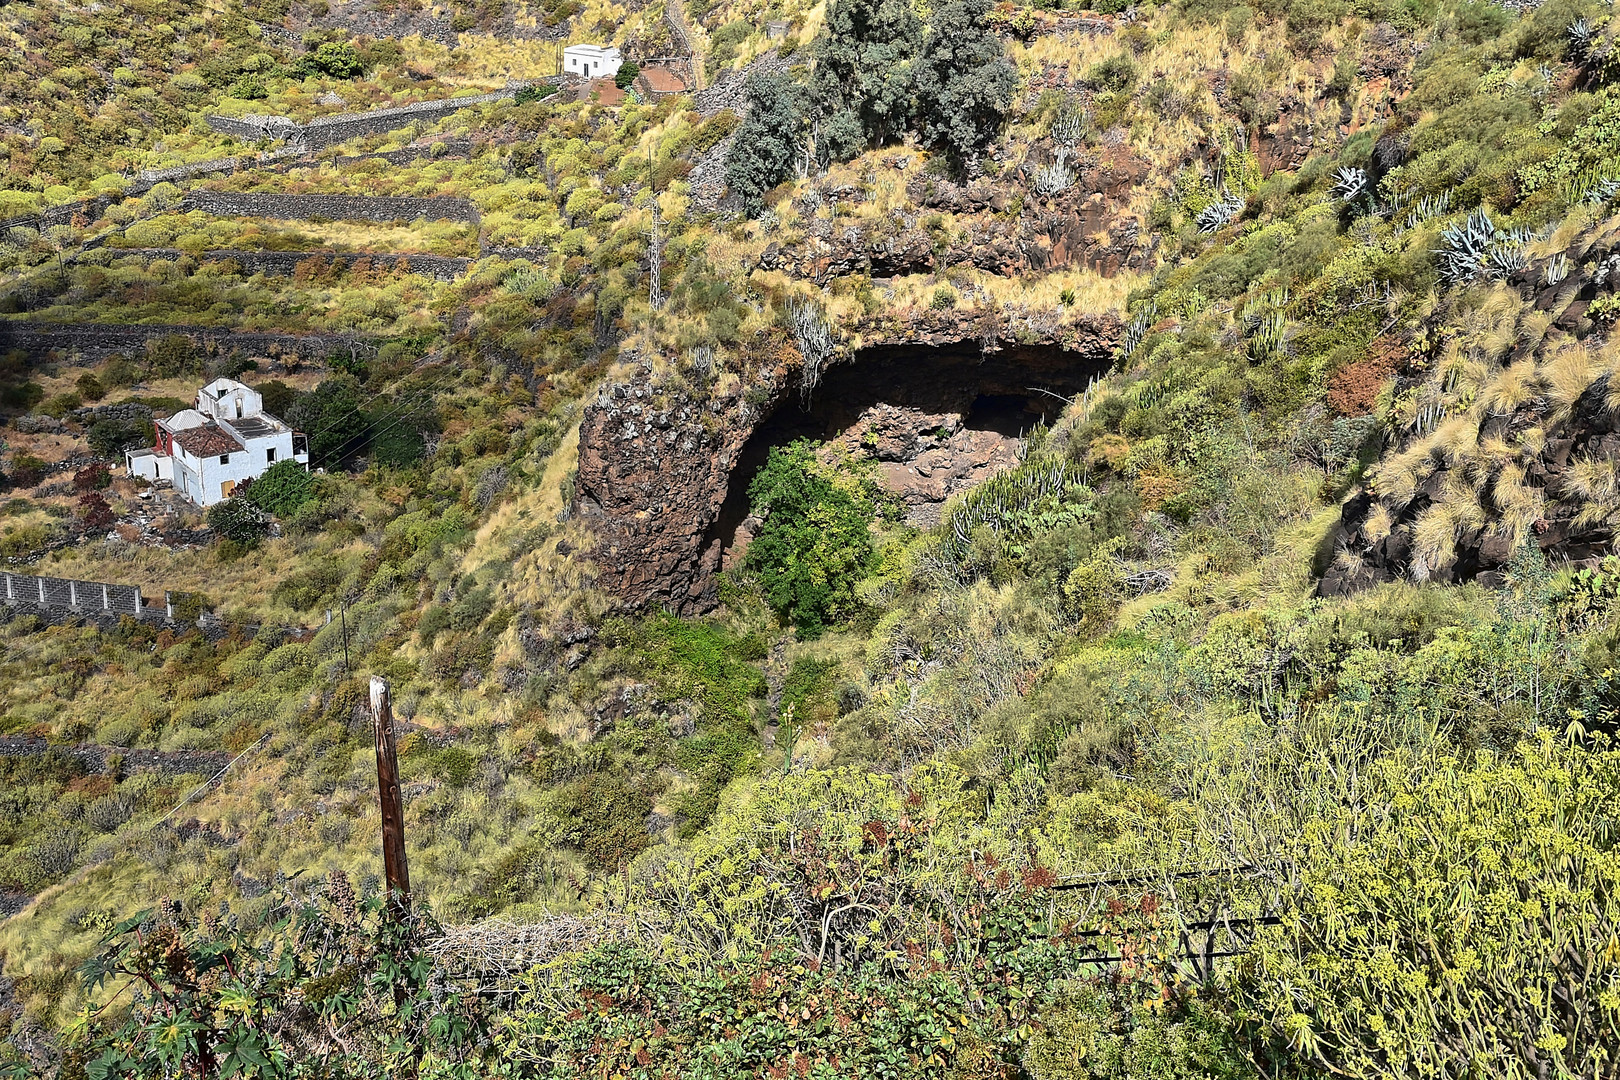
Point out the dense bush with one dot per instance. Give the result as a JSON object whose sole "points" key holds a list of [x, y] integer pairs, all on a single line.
{"points": [[283, 489], [815, 543]]}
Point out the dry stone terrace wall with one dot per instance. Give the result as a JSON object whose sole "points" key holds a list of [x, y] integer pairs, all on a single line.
{"points": [[331, 130], [95, 758], [331, 207], [439, 267], [100, 340]]}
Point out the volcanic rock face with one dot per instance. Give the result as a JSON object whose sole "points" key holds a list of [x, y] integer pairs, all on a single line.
{"points": [[1001, 228], [925, 457], [1377, 540], [651, 475], [663, 473]]}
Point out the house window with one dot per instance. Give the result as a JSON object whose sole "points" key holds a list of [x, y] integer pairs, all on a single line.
{"points": [[224, 459], [269, 454]]}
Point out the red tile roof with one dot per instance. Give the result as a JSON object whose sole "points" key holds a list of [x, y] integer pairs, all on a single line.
{"points": [[207, 441]]}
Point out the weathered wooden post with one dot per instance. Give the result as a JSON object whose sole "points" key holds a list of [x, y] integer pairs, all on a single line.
{"points": [[388, 799]]}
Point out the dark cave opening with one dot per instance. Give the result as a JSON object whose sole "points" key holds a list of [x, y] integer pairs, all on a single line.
{"points": [[937, 419]]}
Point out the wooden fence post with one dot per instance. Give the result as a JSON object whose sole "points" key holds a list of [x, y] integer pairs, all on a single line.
{"points": [[388, 799]]}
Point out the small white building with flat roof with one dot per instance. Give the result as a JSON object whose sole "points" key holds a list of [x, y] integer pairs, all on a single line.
{"points": [[207, 451], [591, 61]]}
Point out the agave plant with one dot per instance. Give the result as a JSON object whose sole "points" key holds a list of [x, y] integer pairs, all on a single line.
{"points": [[1137, 330], [1220, 212], [1349, 184], [1601, 192], [1580, 35], [1476, 248]]}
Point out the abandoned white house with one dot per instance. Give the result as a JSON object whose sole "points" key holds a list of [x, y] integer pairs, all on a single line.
{"points": [[591, 61], [207, 451]]}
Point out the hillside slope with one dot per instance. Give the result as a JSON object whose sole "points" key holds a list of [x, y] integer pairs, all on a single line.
{"points": [[985, 542]]}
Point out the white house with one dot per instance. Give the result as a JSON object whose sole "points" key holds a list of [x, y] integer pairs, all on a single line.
{"points": [[592, 61], [207, 451]]}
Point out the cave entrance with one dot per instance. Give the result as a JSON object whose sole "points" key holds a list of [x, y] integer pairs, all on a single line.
{"points": [[937, 420]]}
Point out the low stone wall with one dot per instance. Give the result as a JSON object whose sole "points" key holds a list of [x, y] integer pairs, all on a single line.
{"points": [[100, 340], [61, 215], [96, 758], [331, 207], [147, 179], [439, 267], [123, 410], [341, 127]]}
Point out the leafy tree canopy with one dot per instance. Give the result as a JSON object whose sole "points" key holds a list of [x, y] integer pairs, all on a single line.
{"points": [[864, 78], [284, 489], [965, 83], [762, 153]]}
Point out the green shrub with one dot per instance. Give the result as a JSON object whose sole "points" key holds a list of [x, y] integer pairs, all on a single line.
{"points": [[815, 544], [238, 520], [283, 489]]}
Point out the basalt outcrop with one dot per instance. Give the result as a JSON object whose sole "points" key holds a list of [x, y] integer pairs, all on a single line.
{"points": [[999, 227], [1377, 539], [939, 401]]}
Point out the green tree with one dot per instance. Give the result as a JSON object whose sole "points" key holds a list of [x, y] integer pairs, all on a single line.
{"points": [[863, 80], [110, 438], [626, 74], [284, 489], [762, 153], [965, 83], [337, 59], [815, 543], [330, 416], [278, 397]]}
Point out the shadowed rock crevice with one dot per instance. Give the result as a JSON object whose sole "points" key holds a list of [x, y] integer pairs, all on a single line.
{"points": [[935, 420], [664, 483]]}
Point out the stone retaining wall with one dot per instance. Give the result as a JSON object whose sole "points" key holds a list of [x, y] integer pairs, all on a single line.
{"points": [[341, 127], [147, 179], [439, 267], [95, 758], [123, 410], [331, 207], [100, 340]]}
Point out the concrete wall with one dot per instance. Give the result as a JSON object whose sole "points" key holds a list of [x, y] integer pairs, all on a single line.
{"points": [[64, 593], [331, 207], [100, 340]]}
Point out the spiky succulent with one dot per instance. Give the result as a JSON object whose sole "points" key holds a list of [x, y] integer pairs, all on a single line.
{"points": [[1349, 184], [1601, 192], [1220, 212], [1476, 248], [1580, 35], [1137, 330]]}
